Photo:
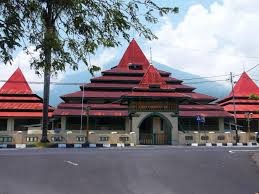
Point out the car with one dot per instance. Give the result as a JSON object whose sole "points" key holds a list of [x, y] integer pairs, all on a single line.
{"points": [[257, 137]]}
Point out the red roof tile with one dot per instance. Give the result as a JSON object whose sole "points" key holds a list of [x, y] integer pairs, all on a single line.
{"points": [[199, 107], [240, 101], [205, 113], [243, 107], [16, 84], [133, 55], [22, 114], [96, 94], [200, 97], [157, 94], [19, 98], [152, 77], [245, 86], [21, 106], [242, 116], [77, 112], [109, 85], [93, 106]]}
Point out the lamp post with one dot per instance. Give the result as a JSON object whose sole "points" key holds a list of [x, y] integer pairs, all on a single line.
{"points": [[234, 106], [88, 108], [248, 116]]}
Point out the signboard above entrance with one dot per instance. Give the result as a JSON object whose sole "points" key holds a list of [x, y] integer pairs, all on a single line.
{"points": [[151, 106]]}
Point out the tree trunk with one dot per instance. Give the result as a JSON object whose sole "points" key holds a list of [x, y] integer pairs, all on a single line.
{"points": [[45, 119], [47, 72]]}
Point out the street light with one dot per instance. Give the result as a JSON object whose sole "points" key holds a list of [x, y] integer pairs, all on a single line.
{"points": [[88, 108], [248, 116]]}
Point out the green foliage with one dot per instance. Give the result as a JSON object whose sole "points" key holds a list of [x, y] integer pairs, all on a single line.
{"points": [[67, 31], [43, 145], [254, 97], [11, 30]]}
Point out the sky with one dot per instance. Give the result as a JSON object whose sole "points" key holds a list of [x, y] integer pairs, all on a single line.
{"points": [[207, 38]]}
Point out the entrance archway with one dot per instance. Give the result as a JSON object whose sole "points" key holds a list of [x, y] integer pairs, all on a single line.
{"points": [[155, 129]]}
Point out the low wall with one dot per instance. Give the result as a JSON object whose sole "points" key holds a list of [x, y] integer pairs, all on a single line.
{"points": [[70, 137], [115, 137], [215, 137]]}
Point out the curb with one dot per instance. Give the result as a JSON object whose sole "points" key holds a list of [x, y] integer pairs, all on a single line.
{"points": [[63, 145], [223, 144]]}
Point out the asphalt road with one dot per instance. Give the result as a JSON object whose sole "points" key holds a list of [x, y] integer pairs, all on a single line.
{"points": [[145, 170]]}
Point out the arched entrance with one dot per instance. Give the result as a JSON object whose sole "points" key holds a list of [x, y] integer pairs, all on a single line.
{"points": [[155, 129]]}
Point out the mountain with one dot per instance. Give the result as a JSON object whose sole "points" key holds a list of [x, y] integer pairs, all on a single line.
{"points": [[210, 88], [202, 85]]}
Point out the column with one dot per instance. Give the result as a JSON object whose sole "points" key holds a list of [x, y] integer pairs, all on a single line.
{"points": [[10, 125], [221, 124], [127, 125], [135, 123], [175, 135], [63, 123]]}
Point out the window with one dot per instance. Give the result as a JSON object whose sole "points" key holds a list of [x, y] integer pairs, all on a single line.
{"points": [[104, 138], [205, 137], [74, 123], [123, 139], [81, 138], [32, 139], [6, 139], [221, 137], [135, 67], [188, 138], [20, 124], [57, 138], [154, 86], [109, 123], [3, 124]]}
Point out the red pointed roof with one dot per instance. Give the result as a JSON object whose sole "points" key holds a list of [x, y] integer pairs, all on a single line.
{"points": [[16, 84], [133, 55], [242, 91], [152, 77], [245, 86]]}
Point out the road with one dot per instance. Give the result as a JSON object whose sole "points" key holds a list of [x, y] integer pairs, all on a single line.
{"points": [[142, 170]]}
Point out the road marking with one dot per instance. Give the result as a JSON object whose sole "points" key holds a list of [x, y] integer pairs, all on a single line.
{"points": [[72, 163], [233, 151]]}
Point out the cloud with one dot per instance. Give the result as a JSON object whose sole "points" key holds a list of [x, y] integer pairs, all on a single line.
{"points": [[22, 60], [211, 41]]}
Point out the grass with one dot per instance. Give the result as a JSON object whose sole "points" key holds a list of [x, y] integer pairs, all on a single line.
{"points": [[43, 145]]}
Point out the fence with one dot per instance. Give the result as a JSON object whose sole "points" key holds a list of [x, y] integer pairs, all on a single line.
{"points": [[215, 137]]}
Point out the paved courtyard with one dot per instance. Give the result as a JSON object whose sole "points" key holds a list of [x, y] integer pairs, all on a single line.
{"points": [[141, 170]]}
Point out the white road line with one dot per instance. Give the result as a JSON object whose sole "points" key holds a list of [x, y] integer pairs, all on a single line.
{"points": [[233, 151], [72, 163]]}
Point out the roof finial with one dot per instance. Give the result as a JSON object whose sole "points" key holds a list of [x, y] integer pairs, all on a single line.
{"points": [[244, 67], [150, 52]]}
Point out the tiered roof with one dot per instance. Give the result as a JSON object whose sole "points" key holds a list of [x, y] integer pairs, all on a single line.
{"points": [[18, 100], [244, 88], [134, 77]]}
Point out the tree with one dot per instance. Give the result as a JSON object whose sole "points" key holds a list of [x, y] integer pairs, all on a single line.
{"points": [[65, 32]]}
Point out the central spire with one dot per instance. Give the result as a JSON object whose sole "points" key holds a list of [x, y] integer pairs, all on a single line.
{"points": [[133, 55]]}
